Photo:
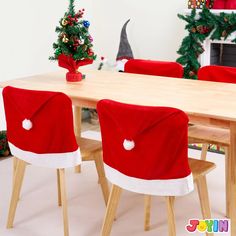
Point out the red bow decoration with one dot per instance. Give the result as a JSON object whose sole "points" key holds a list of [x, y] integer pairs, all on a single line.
{"points": [[72, 65]]}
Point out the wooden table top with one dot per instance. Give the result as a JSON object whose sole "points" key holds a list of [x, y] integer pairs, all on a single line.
{"points": [[197, 98]]}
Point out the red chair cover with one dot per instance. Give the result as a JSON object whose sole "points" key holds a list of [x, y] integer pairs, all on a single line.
{"points": [[160, 68], [230, 4], [145, 148], [224, 4], [40, 127], [217, 74], [219, 4]]}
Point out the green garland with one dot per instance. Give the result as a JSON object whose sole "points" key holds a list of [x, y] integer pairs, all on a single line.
{"points": [[199, 27], [4, 148]]}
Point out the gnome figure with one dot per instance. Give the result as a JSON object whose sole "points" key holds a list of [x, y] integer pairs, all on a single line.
{"points": [[125, 52]]}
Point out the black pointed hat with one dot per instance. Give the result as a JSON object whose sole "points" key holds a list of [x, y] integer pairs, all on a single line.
{"points": [[125, 51]]}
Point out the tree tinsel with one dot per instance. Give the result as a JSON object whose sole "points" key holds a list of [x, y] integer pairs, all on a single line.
{"points": [[73, 36], [200, 26]]}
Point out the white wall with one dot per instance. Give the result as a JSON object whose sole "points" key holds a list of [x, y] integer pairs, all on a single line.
{"points": [[27, 31], [154, 31]]}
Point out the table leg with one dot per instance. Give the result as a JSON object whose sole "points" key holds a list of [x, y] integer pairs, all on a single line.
{"points": [[77, 127], [232, 177], [227, 181]]}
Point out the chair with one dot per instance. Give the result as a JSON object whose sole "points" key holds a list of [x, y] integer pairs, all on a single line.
{"points": [[215, 73], [149, 67], [159, 68], [142, 154], [40, 132], [212, 135]]}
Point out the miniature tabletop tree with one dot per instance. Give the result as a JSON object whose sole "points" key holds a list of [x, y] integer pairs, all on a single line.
{"points": [[74, 44]]}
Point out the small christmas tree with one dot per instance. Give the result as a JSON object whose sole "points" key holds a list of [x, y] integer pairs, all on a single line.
{"points": [[74, 44]]}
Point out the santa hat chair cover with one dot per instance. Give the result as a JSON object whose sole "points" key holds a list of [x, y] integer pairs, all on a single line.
{"points": [[149, 67], [40, 127], [145, 148], [214, 73], [224, 4]]}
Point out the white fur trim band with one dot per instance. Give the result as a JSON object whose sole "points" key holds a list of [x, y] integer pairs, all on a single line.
{"points": [[166, 187], [51, 160]]}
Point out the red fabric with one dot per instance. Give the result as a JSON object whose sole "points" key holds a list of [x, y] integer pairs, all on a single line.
{"points": [[217, 74], [74, 77], [160, 136], [70, 64], [230, 4], [51, 116], [219, 4], [160, 68], [208, 3]]}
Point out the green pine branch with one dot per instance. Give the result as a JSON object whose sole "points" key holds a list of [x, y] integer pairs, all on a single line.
{"points": [[199, 28], [71, 9], [73, 36]]}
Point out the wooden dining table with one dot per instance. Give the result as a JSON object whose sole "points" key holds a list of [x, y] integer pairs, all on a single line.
{"points": [[208, 103]]}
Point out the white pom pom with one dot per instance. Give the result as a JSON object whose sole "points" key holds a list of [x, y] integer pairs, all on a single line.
{"points": [[27, 124], [128, 144]]}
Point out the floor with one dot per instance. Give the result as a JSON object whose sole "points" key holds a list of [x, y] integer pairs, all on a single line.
{"points": [[38, 213]]}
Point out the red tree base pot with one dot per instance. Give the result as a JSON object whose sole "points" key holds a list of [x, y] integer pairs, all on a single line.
{"points": [[73, 77]]}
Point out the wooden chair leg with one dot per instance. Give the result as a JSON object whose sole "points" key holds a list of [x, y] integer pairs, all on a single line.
{"points": [[111, 210], [77, 128], [15, 163], [203, 197], [78, 169], [58, 189], [204, 151], [227, 185], [101, 176], [18, 179], [170, 215], [15, 160], [64, 201], [147, 211]]}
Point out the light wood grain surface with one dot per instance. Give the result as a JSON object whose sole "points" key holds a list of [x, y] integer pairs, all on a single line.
{"points": [[197, 98], [207, 103]]}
